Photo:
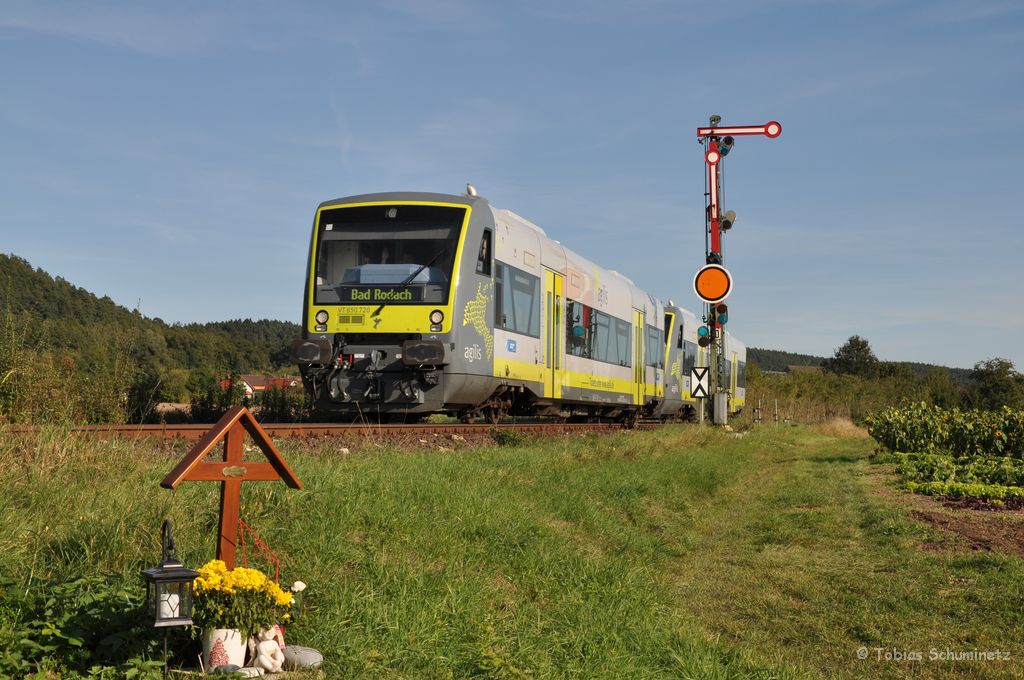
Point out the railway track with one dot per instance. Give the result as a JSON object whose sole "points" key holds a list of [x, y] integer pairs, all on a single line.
{"points": [[193, 432]]}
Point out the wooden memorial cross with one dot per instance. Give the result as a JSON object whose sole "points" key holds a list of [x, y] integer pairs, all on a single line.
{"points": [[231, 429]]}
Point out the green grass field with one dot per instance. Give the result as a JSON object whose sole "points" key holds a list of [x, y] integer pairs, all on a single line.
{"points": [[675, 553]]}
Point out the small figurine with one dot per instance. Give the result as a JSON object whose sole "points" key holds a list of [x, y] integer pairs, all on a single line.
{"points": [[268, 652]]}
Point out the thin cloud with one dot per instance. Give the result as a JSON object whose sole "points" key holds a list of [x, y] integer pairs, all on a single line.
{"points": [[154, 34], [959, 12], [170, 31], [686, 12]]}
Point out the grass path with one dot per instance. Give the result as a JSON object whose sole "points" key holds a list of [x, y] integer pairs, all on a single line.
{"points": [[802, 564]]}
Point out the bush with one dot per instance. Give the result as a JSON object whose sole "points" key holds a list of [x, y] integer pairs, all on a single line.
{"points": [[90, 625], [288, 405], [41, 381], [923, 428], [209, 400]]}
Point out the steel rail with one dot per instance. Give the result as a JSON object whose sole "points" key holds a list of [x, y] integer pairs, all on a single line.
{"points": [[192, 432]]}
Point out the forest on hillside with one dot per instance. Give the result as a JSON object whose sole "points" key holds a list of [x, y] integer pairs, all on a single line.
{"points": [[778, 361], [67, 353]]}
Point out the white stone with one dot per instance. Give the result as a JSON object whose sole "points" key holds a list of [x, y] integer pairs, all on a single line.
{"points": [[299, 658]]}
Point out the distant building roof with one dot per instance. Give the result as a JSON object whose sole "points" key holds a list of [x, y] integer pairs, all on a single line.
{"points": [[257, 382], [282, 383]]}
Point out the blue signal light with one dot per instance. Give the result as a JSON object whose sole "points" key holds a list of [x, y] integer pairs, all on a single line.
{"points": [[725, 146], [702, 331], [722, 318]]}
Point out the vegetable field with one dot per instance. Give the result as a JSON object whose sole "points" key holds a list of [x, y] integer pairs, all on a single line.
{"points": [[949, 452]]}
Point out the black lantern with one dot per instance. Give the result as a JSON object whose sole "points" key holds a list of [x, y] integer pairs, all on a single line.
{"points": [[169, 587]]}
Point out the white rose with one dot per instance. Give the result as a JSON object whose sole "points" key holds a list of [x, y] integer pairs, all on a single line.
{"points": [[298, 587]]}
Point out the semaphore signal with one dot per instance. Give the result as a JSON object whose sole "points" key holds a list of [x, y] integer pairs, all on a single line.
{"points": [[713, 282]]}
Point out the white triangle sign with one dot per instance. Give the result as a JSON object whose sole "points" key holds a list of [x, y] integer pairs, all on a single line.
{"points": [[699, 382]]}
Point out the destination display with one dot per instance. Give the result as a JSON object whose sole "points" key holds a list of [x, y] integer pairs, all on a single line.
{"points": [[390, 294]]}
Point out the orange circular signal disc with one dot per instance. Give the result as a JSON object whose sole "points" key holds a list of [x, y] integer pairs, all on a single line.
{"points": [[712, 283]]}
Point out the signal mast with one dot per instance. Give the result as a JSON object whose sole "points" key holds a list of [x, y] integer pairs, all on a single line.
{"points": [[713, 282]]}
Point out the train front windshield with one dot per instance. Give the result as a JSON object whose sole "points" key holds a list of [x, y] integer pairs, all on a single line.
{"points": [[394, 254]]}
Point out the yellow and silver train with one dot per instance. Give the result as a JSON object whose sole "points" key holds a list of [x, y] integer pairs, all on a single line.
{"points": [[420, 303]]}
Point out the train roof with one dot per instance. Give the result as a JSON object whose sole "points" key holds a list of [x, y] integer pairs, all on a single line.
{"points": [[515, 217], [388, 196]]}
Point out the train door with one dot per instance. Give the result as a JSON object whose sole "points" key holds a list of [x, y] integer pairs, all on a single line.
{"points": [[639, 368], [555, 305]]}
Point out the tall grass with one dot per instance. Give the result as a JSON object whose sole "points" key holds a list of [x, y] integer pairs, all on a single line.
{"points": [[676, 553], [816, 397], [42, 383]]}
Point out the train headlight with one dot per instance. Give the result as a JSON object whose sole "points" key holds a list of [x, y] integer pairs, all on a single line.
{"points": [[322, 316], [436, 317]]}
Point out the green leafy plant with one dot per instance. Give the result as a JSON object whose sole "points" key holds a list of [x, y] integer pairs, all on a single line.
{"points": [[921, 427], [961, 490], [508, 437], [87, 625]]}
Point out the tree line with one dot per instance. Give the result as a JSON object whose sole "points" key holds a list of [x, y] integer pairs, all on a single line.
{"points": [[853, 383], [68, 355]]}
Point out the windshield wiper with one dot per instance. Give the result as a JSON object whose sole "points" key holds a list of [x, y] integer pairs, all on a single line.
{"points": [[409, 279]]}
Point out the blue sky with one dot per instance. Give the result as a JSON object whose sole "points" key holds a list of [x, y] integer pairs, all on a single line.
{"points": [[171, 155]]}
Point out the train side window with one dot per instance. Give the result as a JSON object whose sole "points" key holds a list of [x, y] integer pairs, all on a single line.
{"points": [[679, 340], [689, 357], [499, 312], [591, 334], [483, 258], [517, 300], [652, 347], [624, 331], [577, 329]]}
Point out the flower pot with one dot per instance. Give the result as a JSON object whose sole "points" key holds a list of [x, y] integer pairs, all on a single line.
{"points": [[222, 646]]}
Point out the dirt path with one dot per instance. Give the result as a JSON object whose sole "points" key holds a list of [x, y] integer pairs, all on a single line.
{"points": [[959, 527]]}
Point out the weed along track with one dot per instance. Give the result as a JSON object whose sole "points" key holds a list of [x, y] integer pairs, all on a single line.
{"points": [[388, 432]]}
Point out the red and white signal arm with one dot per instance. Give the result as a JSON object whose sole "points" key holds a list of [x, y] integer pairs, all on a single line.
{"points": [[771, 129], [712, 283]]}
